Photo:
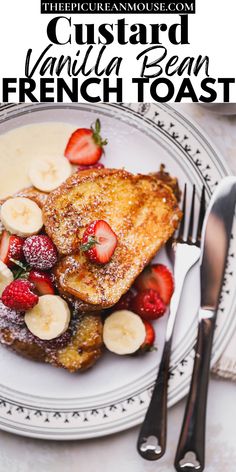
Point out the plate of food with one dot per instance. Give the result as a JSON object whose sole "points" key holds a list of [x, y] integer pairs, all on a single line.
{"points": [[90, 195]]}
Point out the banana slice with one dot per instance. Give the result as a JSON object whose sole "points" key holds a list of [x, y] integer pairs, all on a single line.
{"points": [[49, 318], [6, 277], [123, 332], [48, 172], [21, 216]]}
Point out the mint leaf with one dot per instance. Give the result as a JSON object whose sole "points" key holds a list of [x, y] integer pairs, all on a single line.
{"points": [[21, 271]]}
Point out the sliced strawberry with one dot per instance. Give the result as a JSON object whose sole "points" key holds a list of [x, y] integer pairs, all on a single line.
{"points": [[150, 337], [4, 247], [99, 242], [11, 247], [42, 282], [85, 146], [157, 277]]}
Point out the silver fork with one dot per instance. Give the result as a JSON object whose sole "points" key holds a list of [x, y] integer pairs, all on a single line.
{"points": [[184, 253]]}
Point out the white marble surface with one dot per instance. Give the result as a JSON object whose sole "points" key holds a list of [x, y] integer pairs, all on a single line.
{"points": [[118, 453]]}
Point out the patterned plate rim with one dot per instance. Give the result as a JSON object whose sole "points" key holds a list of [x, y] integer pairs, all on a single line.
{"points": [[18, 417]]}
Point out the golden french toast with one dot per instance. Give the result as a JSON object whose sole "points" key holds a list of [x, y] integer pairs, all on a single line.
{"points": [[78, 349], [141, 210], [143, 213]]}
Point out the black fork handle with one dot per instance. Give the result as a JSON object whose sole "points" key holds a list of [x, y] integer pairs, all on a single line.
{"points": [[152, 437]]}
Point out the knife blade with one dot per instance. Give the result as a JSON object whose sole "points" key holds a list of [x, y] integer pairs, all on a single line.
{"points": [[215, 242], [216, 235]]}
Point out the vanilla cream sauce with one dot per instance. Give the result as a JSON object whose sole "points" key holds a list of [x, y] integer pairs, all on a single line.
{"points": [[20, 145]]}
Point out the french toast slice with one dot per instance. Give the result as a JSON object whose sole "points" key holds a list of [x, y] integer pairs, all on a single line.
{"points": [[81, 351], [140, 209]]}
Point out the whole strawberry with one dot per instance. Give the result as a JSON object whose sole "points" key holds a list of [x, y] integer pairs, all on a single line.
{"points": [[148, 304], [40, 252], [19, 295]]}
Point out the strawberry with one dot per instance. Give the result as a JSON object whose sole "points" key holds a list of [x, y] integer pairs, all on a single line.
{"points": [[42, 282], [11, 247], [99, 165], [99, 242], [148, 304], [40, 252], [150, 337], [157, 277], [19, 295], [85, 146]]}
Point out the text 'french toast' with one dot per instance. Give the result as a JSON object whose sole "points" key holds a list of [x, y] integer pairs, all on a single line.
{"points": [[141, 210]]}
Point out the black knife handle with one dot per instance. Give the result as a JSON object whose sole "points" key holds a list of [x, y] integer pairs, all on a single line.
{"points": [[190, 455]]}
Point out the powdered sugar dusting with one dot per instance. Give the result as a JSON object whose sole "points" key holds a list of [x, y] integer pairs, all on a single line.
{"points": [[12, 316]]}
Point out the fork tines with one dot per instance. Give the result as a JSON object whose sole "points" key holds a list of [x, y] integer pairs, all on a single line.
{"points": [[190, 238]]}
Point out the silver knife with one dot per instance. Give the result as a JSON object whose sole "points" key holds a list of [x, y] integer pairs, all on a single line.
{"points": [[190, 455]]}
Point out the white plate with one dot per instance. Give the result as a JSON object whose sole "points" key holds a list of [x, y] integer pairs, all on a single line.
{"points": [[41, 401]]}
